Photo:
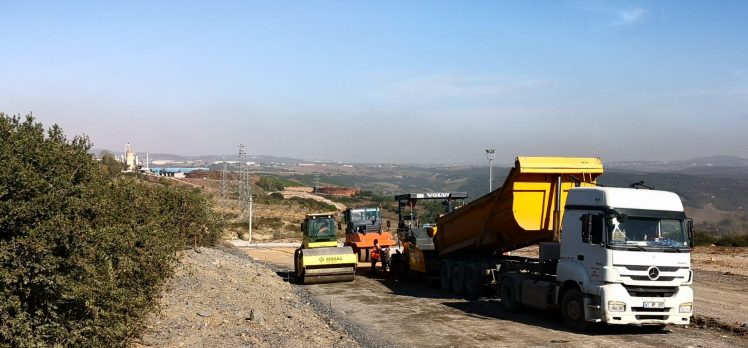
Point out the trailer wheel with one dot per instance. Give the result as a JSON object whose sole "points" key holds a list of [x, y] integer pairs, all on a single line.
{"points": [[507, 293], [473, 286], [572, 310], [458, 279], [445, 276]]}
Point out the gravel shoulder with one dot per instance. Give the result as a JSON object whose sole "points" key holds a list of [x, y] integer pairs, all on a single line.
{"points": [[221, 297]]}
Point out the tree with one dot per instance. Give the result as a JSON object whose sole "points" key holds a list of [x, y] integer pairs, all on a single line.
{"points": [[82, 254], [111, 166]]}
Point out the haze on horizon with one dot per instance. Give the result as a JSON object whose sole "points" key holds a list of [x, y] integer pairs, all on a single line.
{"points": [[389, 81]]}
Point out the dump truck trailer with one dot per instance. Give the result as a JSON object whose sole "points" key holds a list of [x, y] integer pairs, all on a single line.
{"points": [[610, 255]]}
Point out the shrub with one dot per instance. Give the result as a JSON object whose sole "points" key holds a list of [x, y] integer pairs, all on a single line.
{"points": [[82, 254], [267, 223], [733, 240], [312, 205], [700, 237]]}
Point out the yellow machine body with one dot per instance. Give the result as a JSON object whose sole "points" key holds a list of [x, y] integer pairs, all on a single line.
{"points": [[525, 210]]}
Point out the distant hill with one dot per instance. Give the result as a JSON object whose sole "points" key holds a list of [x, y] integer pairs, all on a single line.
{"points": [[674, 166], [717, 182]]}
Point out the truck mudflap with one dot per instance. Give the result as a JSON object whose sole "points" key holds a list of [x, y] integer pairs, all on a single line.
{"points": [[658, 307]]}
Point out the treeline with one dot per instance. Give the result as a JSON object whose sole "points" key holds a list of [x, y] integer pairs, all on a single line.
{"points": [[731, 231], [84, 251]]}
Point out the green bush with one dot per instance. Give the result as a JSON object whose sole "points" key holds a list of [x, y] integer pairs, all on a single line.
{"points": [[83, 255], [700, 237], [733, 240], [267, 223], [273, 183], [313, 206]]}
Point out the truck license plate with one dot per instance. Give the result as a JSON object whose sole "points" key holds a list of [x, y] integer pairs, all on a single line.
{"points": [[654, 304]]}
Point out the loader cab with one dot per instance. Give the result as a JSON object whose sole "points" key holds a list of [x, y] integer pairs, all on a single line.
{"points": [[319, 230], [410, 229]]}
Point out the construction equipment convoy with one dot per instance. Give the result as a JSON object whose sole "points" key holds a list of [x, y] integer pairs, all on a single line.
{"points": [[363, 227], [623, 256], [319, 259]]}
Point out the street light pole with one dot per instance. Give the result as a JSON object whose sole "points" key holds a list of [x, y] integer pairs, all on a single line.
{"points": [[490, 155]]}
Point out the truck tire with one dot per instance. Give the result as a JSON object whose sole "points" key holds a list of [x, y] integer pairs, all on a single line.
{"points": [[458, 279], [507, 293], [473, 284], [445, 276], [572, 310]]}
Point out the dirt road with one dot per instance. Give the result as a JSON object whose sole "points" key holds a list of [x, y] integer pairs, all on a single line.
{"points": [[412, 314]]}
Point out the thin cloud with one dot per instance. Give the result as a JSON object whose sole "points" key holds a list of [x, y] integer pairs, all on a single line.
{"points": [[629, 17]]}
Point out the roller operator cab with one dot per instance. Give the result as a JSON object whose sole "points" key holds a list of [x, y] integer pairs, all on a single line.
{"points": [[624, 258], [363, 227], [320, 259]]}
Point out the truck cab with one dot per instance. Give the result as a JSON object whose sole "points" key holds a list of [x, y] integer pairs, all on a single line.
{"points": [[625, 258]]}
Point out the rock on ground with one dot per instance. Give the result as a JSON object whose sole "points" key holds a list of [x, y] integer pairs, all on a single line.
{"points": [[220, 299]]}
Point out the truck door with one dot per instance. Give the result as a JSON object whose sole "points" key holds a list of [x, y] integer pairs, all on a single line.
{"points": [[592, 249]]}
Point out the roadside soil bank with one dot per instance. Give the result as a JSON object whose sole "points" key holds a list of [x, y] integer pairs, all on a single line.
{"points": [[219, 297]]}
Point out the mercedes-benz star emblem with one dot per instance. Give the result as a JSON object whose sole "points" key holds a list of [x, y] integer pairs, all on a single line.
{"points": [[653, 273]]}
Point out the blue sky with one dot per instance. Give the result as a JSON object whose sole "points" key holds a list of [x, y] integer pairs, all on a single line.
{"points": [[415, 81]]}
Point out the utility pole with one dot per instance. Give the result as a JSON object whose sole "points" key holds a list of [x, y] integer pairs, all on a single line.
{"points": [[316, 182], [224, 187], [490, 155], [246, 199]]}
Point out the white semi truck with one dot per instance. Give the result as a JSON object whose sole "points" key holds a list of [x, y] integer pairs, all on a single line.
{"points": [[611, 255]]}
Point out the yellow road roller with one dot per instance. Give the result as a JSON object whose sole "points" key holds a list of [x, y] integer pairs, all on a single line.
{"points": [[320, 259]]}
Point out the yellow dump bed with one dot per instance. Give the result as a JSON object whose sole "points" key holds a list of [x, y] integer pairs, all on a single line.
{"points": [[526, 210]]}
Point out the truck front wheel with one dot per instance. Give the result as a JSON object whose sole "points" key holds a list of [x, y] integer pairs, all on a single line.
{"points": [[572, 310]]}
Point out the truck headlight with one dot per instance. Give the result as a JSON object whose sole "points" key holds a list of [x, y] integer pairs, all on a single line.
{"points": [[685, 307], [616, 306]]}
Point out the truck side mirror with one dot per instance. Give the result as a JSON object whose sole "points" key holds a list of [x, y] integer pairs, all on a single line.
{"points": [[689, 227], [586, 227], [388, 224]]}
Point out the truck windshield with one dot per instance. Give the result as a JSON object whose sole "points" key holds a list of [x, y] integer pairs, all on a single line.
{"points": [[372, 215], [647, 232], [357, 215]]}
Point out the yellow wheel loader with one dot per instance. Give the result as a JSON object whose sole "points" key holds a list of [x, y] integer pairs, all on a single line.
{"points": [[320, 259]]}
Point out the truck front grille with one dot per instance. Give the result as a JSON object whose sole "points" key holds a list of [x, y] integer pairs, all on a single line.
{"points": [[652, 317], [646, 291], [645, 268], [653, 310], [646, 278]]}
